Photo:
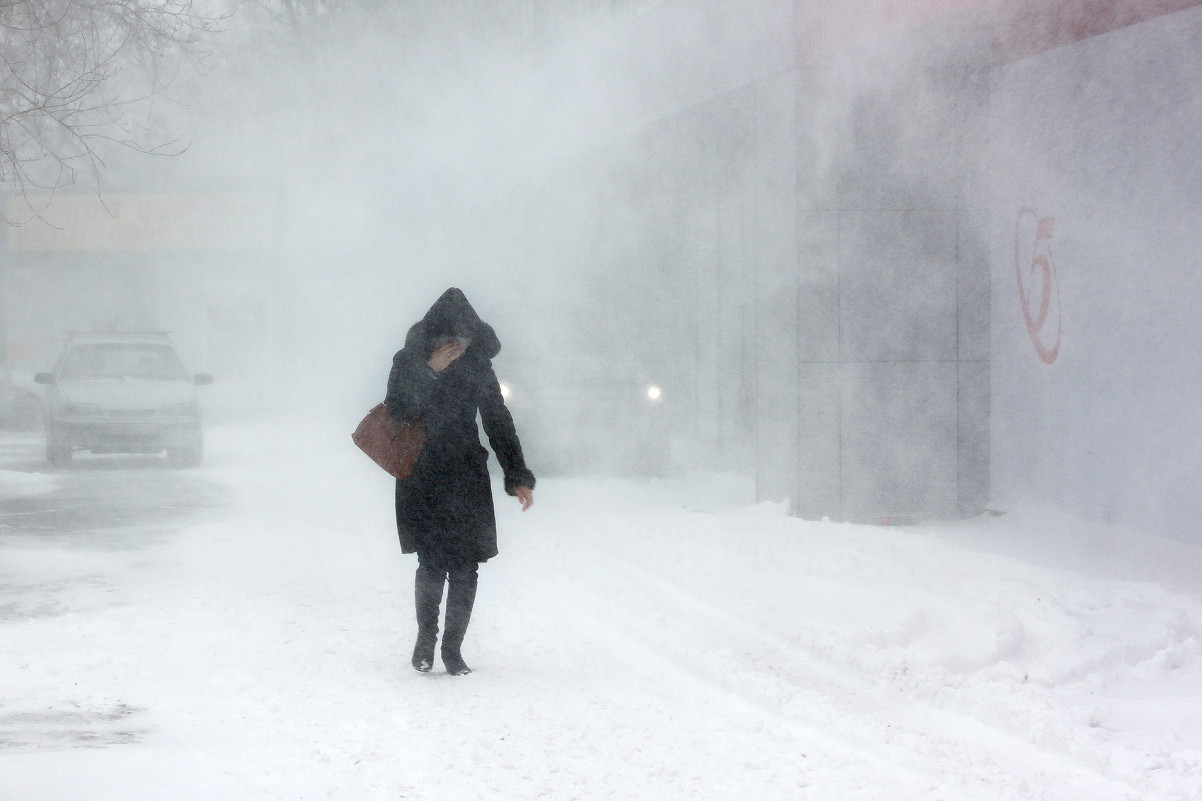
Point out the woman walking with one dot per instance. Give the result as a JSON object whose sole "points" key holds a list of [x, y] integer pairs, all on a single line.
{"points": [[444, 511]]}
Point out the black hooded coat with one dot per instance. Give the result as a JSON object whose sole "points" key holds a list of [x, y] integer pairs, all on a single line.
{"points": [[444, 511]]}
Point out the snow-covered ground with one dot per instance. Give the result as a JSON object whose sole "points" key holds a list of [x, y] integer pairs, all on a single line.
{"points": [[634, 640]]}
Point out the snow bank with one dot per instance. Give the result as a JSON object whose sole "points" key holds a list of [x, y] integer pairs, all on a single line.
{"points": [[16, 484], [634, 640]]}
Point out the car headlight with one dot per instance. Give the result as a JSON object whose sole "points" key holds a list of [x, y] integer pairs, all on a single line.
{"points": [[181, 410], [81, 410]]}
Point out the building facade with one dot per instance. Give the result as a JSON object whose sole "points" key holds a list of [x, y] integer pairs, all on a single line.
{"points": [[853, 228]]}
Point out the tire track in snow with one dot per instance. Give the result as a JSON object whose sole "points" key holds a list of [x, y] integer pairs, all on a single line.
{"points": [[71, 725], [843, 766], [788, 685]]}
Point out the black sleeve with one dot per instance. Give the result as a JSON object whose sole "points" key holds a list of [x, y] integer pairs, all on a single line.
{"points": [[410, 386], [498, 426]]}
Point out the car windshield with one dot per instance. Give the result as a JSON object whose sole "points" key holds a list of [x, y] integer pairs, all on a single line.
{"points": [[123, 360]]}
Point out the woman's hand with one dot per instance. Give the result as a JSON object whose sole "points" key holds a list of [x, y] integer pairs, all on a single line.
{"points": [[526, 496], [444, 354]]}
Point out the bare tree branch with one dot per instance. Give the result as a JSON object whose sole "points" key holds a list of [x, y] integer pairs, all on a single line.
{"points": [[78, 73]]}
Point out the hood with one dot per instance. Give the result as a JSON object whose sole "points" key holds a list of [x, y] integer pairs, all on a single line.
{"points": [[452, 315]]}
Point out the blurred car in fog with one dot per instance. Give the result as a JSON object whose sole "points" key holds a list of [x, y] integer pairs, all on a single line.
{"points": [[589, 416], [20, 401], [122, 393]]}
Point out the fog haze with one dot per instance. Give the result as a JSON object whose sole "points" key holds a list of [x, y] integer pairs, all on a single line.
{"points": [[853, 347], [798, 224]]}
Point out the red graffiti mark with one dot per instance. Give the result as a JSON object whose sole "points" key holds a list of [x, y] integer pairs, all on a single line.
{"points": [[1041, 276]]}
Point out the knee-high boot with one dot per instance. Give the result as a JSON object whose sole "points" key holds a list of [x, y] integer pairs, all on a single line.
{"points": [[427, 591], [461, 597]]}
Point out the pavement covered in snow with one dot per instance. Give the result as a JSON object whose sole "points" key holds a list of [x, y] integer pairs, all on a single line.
{"points": [[246, 636]]}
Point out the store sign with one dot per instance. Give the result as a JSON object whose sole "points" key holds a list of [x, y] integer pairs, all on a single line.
{"points": [[139, 222], [1038, 284]]}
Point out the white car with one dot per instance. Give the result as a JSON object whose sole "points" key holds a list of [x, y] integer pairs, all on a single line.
{"points": [[122, 393]]}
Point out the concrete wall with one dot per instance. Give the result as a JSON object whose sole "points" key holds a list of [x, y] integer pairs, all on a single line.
{"points": [[1094, 401], [892, 291], [888, 222], [813, 248]]}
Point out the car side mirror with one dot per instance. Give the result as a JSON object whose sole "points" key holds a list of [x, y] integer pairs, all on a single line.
{"points": [[44, 378], [202, 379]]}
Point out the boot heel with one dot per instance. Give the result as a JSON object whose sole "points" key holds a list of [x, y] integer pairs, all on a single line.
{"points": [[454, 663]]}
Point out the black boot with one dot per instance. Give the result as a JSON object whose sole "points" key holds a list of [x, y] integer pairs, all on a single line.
{"points": [[461, 597], [427, 597]]}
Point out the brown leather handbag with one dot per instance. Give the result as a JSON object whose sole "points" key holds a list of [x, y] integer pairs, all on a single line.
{"points": [[392, 445]]}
